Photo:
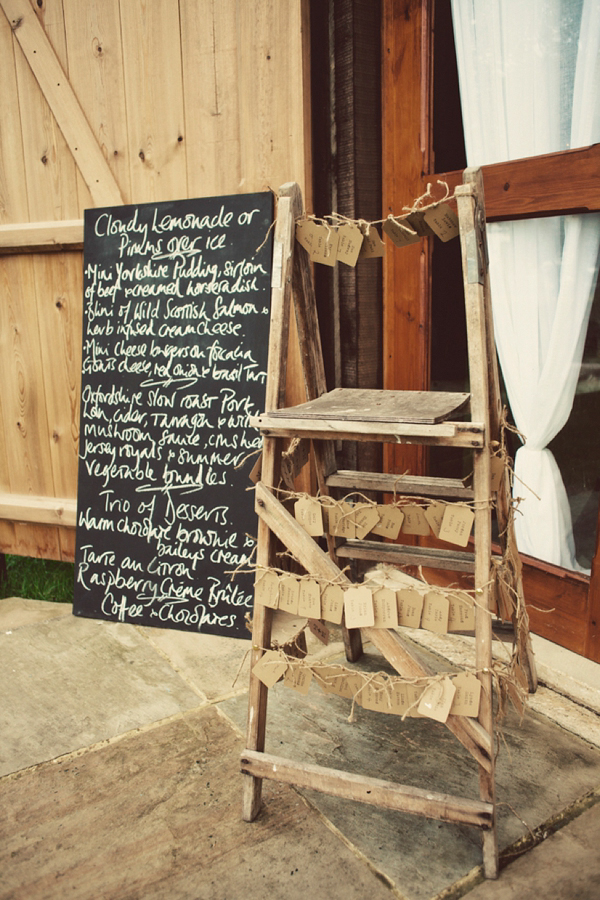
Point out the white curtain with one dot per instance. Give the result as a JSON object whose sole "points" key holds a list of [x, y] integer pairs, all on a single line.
{"points": [[529, 82]]}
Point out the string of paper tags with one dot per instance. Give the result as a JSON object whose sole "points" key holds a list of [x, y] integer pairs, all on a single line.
{"points": [[450, 522], [433, 698], [338, 239], [366, 605]]}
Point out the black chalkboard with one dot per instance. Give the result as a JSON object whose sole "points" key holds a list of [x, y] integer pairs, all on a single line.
{"points": [[176, 322]]}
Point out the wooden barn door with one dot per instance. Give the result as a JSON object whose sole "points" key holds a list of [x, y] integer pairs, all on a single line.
{"points": [[104, 102]]}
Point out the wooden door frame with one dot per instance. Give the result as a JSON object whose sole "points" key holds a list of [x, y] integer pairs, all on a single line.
{"points": [[563, 606]]}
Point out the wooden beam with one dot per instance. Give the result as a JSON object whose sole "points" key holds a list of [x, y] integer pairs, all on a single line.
{"points": [[59, 95], [407, 155], [550, 185], [40, 236], [38, 510], [374, 791]]}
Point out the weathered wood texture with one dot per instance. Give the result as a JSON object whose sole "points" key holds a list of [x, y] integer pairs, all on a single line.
{"points": [[105, 102]]}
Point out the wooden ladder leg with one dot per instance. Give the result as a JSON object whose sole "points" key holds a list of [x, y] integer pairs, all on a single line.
{"points": [[483, 639], [262, 624]]}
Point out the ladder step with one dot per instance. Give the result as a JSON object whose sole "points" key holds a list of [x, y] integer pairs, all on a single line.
{"points": [[449, 434], [403, 554], [375, 791], [419, 485]]}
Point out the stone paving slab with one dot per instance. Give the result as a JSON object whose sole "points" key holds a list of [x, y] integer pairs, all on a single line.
{"points": [[68, 682], [157, 816], [541, 770], [566, 866]]}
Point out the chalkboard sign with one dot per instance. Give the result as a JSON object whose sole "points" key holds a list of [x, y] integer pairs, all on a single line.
{"points": [[176, 322]]}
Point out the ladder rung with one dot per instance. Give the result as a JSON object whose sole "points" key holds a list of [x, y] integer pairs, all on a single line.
{"points": [[420, 485], [403, 554], [376, 791]]}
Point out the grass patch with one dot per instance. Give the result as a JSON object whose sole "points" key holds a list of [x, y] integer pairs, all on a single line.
{"points": [[37, 579]]}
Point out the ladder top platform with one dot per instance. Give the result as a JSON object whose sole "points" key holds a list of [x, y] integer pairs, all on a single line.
{"points": [[357, 405]]}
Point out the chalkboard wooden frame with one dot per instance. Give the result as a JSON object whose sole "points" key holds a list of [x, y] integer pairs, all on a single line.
{"points": [[175, 339]]}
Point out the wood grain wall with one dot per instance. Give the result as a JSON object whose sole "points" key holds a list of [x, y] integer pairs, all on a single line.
{"points": [[105, 102]]}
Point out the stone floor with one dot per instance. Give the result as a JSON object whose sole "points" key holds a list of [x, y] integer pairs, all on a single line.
{"points": [[119, 777]]}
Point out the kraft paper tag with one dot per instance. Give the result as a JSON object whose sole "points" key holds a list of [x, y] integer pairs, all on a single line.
{"points": [[299, 455], [350, 240], [375, 695], [346, 685], [467, 696], [307, 511], [443, 221], [365, 519], [319, 629], [461, 615], [434, 515], [266, 590], [410, 607], [341, 520], [414, 520], [332, 604], [496, 473], [385, 608], [390, 521], [401, 235], [358, 607], [325, 246], [436, 610], [306, 229], [437, 698], [372, 246], [417, 222], [457, 524], [256, 471], [289, 592], [298, 678], [309, 599], [405, 697], [270, 668], [325, 675]]}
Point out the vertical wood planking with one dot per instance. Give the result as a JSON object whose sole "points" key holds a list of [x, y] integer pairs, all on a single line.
{"points": [[23, 409], [13, 190], [272, 101], [154, 99], [211, 97], [95, 54]]}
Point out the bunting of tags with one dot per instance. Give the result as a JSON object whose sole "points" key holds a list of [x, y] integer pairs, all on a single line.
{"points": [[457, 695], [435, 515], [341, 520], [366, 518], [367, 605], [319, 629], [351, 241]]}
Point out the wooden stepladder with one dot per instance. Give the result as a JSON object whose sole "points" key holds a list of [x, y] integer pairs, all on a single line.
{"points": [[386, 416]]}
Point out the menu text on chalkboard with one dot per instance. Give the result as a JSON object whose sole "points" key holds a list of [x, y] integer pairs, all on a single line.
{"points": [[176, 322]]}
